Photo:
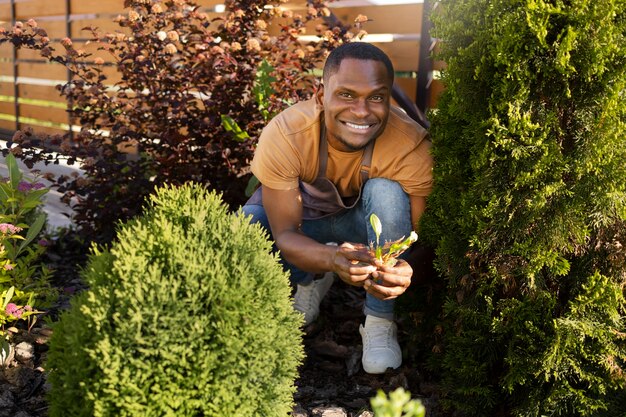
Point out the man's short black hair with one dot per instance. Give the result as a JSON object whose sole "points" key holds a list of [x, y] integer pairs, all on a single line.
{"points": [[356, 50]]}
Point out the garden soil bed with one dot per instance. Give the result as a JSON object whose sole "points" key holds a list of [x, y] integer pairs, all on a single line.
{"points": [[332, 382]]}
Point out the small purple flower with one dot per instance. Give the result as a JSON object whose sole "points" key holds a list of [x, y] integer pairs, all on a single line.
{"points": [[38, 186], [24, 186], [43, 242]]}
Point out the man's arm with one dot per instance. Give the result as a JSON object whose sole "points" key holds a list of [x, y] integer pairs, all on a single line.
{"points": [[418, 206], [284, 212]]}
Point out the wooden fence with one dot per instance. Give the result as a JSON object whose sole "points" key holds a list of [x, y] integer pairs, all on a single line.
{"points": [[28, 93]]}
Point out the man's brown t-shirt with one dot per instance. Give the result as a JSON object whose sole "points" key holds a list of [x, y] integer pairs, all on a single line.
{"points": [[288, 151]]}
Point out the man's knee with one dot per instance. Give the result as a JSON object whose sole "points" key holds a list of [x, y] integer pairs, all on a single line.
{"points": [[385, 192], [382, 188], [388, 200]]}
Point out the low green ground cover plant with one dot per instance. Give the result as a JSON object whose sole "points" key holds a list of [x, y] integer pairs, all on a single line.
{"points": [[187, 314], [397, 404], [528, 215]]}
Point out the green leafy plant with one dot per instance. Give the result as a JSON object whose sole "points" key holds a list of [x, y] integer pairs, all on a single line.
{"points": [[389, 252], [12, 312], [187, 314], [23, 278], [20, 198], [397, 404]]}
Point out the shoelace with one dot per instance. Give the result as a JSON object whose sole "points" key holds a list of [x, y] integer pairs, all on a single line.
{"points": [[379, 332]]}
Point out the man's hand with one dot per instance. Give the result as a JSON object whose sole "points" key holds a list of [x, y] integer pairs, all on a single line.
{"points": [[353, 263], [389, 282]]}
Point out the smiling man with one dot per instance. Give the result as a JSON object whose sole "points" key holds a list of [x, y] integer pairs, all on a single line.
{"points": [[325, 166]]}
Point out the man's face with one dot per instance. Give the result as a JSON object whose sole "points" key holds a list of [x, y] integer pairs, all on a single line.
{"points": [[356, 103]]}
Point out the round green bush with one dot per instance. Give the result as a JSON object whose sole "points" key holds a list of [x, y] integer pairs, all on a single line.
{"points": [[188, 314]]}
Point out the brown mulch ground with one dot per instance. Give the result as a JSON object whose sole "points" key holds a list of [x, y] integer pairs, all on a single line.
{"points": [[331, 374]]}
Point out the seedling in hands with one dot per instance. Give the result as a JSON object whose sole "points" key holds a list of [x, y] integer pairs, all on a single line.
{"points": [[389, 252]]}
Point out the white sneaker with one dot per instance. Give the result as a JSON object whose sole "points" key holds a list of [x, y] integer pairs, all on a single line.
{"points": [[380, 345], [308, 297]]}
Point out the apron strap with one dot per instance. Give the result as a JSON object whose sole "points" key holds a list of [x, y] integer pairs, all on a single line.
{"points": [[323, 158], [367, 162]]}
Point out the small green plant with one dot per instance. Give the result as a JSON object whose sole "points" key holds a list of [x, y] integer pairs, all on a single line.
{"points": [[390, 251], [11, 312], [188, 314], [397, 404], [22, 277]]}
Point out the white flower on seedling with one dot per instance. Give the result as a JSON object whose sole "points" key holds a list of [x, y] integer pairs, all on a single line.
{"points": [[389, 252]]}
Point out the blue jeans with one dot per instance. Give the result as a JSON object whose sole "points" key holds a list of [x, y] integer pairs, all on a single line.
{"points": [[381, 196]]}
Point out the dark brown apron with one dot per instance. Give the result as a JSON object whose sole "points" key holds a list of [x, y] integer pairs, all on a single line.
{"points": [[321, 198]]}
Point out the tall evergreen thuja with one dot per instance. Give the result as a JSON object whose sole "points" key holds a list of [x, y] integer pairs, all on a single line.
{"points": [[528, 213], [188, 314]]}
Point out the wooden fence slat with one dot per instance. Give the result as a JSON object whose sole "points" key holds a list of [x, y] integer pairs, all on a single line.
{"points": [[6, 51], [7, 107], [6, 68], [6, 89], [54, 28], [40, 92], [90, 6], [91, 48], [56, 72], [7, 124], [404, 55], [209, 3], [400, 18], [104, 25], [27, 9], [5, 13], [30, 54], [44, 71], [44, 113]]}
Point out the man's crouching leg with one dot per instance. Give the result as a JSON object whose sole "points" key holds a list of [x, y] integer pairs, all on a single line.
{"points": [[390, 203], [309, 291]]}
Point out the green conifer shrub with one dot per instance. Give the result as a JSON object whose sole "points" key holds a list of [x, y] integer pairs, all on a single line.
{"points": [[188, 314], [528, 213]]}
